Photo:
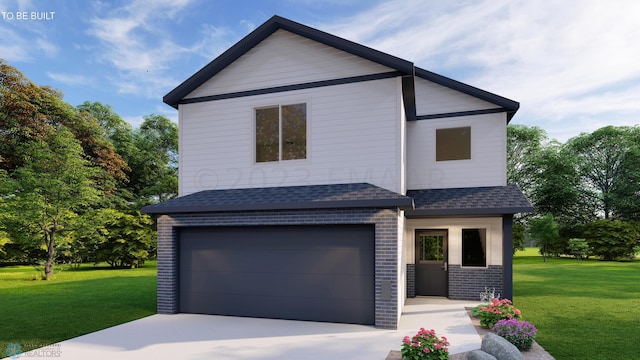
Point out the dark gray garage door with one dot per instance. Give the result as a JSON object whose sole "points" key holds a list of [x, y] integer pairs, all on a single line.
{"points": [[319, 273]]}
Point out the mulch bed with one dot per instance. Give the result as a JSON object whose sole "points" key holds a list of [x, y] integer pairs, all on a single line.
{"points": [[535, 353]]}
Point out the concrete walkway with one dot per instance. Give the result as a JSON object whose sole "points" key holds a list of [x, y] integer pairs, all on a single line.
{"points": [[188, 336]]}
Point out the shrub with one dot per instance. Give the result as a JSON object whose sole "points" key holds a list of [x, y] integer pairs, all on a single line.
{"points": [[497, 310], [519, 333], [425, 345], [612, 239]]}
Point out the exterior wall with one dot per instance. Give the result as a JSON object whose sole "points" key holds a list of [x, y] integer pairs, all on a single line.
{"points": [[354, 135], [432, 98], [468, 283], [387, 306], [411, 280], [285, 58], [487, 166], [465, 283]]}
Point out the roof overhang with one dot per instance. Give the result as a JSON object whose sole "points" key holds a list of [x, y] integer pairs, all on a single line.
{"points": [[473, 201], [174, 97], [509, 106], [334, 196]]}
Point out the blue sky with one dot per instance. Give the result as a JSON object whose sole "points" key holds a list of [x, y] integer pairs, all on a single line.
{"points": [[573, 65]]}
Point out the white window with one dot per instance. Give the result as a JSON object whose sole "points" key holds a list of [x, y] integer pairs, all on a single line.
{"points": [[281, 132]]}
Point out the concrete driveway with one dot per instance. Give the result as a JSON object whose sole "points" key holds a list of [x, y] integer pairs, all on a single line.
{"points": [[189, 336]]}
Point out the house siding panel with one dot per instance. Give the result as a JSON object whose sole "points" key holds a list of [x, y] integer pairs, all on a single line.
{"points": [[487, 166], [353, 136], [285, 59], [432, 98]]}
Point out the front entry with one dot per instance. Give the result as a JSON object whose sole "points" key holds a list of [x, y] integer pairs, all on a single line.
{"points": [[431, 262]]}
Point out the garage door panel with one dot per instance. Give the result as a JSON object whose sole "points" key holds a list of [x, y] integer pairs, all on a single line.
{"points": [[323, 273], [295, 308], [316, 260], [257, 284]]}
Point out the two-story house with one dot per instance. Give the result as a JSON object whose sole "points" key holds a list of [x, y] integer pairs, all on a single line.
{"points": [[324, 180]]}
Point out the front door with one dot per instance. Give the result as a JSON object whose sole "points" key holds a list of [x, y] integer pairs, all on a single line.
{"points": [[431, 262]]}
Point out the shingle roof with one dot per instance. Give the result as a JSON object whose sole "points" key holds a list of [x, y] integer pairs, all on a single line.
{"points": [[492, 200], [359, 195]]}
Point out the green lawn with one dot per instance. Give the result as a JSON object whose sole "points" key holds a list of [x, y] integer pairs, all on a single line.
{"points": [[35, 313], [586, 311]]}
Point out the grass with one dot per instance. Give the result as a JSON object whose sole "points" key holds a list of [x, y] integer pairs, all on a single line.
{"points": [[581, 311], [36, 313]]}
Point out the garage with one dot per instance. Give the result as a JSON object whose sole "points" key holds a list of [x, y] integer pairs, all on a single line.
{"points": [[297, 272]]}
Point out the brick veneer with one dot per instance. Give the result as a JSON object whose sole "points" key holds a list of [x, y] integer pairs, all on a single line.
{"points": [[386, 262], [467, 283], [411, 280]]}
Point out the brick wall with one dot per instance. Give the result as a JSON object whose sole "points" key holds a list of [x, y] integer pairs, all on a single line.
{"points": [[467, 283], [386, 262], [411, 280]]}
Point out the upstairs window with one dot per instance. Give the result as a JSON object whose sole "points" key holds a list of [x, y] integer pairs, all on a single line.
{"points": [[453, 144], [281, 132]]}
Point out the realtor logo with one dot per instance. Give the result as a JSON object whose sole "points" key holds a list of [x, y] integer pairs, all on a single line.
{"points": [[13, 350]]}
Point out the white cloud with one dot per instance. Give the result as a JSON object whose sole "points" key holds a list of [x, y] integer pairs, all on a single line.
{"points": [[566, 62], [16, 46], [68, 79], [136, 44]]}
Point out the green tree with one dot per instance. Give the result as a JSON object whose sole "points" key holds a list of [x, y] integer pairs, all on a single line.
{"points": [[544, 231], [29, 112], [608, 162], [157, 164], [579, 248], [524, 145], [612, 239], [119, 238], [557, 184], [55, 182]]}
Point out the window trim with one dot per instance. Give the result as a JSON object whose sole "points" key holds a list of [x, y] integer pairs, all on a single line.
{"points": [[279, 104]]}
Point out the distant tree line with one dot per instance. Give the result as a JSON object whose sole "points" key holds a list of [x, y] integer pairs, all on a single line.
{"points": [[586, 192], [73, 178]]}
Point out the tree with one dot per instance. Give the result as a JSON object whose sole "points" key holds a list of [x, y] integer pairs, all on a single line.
{"points": [[544, 231], [555, 188], [612, 239], [156, 168], [29, 112], [609, 166], [626, 187], [121, 239], [524, 145], [579, 248], [55, 182]]}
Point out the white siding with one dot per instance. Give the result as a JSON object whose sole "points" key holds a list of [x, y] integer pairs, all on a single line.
{"points": [[454, 228], [285, 59], [432, 98], [353, 136], [487, 166]]}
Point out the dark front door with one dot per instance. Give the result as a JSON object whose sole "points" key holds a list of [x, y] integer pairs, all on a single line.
{"points": [[431, 262]]}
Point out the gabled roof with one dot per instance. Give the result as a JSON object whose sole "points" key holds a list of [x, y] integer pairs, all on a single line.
{"points": [[405, 68], [268, 28], [358, 195], [490, 200]]}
